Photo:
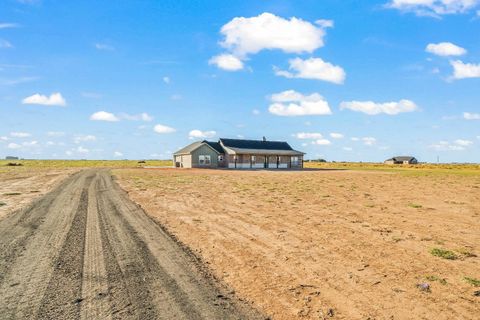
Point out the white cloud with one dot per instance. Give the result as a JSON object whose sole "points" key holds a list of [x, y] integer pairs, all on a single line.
{"points": [[117, 154], [7, 25], [464, 143], [245, 36], [84, 138], [369, 141], [347, 148], [166, 80], [336, 135], [434, 7], [292, 103], [176, 97], [465, 70], [197, 134], [355, 139], [325, 23], [227, 62], [50, 143], [457, 145], [256, 112], [313, 68], [12, 145], [136, 117], [445, 49], [3, 138], [55, 134], [104, 116], [471, 116], [5, 44], [308, 135], [373, 108], [26, 144], [104, 47], [159, 128], [82, 150], [20, 134], [322, 142], [55, 99]]}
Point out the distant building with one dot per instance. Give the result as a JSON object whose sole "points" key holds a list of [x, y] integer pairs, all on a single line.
{"points": [[11, 158], [239, 154], [402, 160]]}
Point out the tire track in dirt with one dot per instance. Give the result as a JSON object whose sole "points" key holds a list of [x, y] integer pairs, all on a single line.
{"points": [[92, 253]]}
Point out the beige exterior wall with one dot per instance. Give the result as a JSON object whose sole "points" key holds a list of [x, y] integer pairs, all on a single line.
{"points": [[183, 161]]}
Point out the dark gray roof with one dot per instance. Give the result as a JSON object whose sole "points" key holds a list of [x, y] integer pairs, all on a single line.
{"points": [[255, 144], [215, 145], [401, 158]]}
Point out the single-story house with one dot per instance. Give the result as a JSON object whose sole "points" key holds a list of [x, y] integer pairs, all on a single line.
{"points": [[239, 154], [402, 160]]}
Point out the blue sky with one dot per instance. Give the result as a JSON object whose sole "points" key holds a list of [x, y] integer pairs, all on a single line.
{"points": [[341, 80]]}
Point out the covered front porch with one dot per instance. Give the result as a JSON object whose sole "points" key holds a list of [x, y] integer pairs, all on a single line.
{"points": [[255, 161]]}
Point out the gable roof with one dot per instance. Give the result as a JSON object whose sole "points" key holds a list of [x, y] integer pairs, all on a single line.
{"points": [[401, 158], [261, 147], [255, 144], [193, 146]]}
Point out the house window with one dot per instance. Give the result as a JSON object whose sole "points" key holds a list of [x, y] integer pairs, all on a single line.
{"points": [[294, 161], [253, 159], [220, 158], [204, 160]]}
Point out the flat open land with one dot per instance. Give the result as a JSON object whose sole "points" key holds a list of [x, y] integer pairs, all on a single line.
{"points": [[336, 244], [20, 185], [85, 251]]}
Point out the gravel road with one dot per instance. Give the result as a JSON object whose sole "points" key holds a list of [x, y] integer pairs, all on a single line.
{"points": [[85, 251]]}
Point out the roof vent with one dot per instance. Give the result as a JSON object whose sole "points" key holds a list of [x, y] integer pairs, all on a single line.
{"points": [[264, 139]]}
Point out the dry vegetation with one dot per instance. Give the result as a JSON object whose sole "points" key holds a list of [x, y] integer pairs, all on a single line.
{"points": [[384, 244]]}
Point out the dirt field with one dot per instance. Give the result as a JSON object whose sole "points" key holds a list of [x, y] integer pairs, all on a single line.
{"points": [[85, 251], [329, 243], [20, 185]]}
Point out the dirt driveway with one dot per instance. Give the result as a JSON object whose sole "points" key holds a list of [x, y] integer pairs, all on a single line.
{"points": [[86, 251]]}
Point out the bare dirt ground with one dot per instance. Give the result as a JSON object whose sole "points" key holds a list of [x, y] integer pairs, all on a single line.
{"points": [[85, 251], [327, 244], [19, 186]]}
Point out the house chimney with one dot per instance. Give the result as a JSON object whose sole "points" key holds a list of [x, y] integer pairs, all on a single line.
{"points": [[264, 139]]}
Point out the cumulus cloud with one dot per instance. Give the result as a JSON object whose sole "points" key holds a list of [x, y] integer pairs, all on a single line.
{"points": [[160, 128], [117, 154], [322, 142], [313, 68], [3, 138], [373, 108], [104, 116], [336, 135], [82, 150], [471, 116], [20, 134], [166, 80], [198, 134], [227, 62], [445, 49], [246, 36], [136, 117], [13, 145], [84, 138], [55, 99], [347, 148], [256, 112], [465, 70], [308, 135], [457, 145], [292, 103], [434, 7]]}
